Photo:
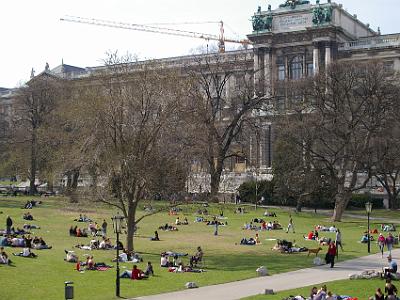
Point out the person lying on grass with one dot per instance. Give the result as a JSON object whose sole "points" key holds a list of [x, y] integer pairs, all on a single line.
{"points": [[135, 274], [27, 216], [26, 253], [83, 218], [90, 264], [181, 268], [168, 227]]}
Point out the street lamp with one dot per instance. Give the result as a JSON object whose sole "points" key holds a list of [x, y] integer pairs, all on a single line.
{"points": [[117, 225], [368, 208]]}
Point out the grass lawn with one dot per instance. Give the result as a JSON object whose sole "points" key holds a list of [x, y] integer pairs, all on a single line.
{"points": [[362, 289], [225, 259]]}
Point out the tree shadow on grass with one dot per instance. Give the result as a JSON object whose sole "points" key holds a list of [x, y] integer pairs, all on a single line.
{"points": [[276, 263], [10, 203]]}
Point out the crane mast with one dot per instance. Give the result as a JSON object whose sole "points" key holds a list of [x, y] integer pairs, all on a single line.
{"points": [[162, 30]]}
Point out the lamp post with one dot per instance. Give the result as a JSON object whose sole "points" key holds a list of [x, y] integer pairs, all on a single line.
{"points": [[368, 208], [117, 224]]}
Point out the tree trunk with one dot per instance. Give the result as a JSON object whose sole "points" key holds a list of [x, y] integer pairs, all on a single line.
{"points": [[393, 200], [300, 203], [32, 186], [131, 229], [341, 201]]}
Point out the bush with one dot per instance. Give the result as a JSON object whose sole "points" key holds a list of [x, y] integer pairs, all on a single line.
{"points": [[359, 200]]}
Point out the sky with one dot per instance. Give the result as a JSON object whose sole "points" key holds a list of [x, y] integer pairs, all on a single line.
{"points": [[32, 34]]}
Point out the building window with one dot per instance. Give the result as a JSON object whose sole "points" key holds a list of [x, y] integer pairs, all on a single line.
{"points": [[296, 68], [281, 72], [310, 69]]}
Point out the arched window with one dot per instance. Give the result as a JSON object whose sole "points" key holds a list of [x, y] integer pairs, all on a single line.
{"points": [[296, 68]]}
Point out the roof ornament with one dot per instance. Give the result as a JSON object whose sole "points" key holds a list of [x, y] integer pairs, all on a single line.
{"points": [[292, 3], [321, 15], [262, 22], [32, 73], [47, 67]]}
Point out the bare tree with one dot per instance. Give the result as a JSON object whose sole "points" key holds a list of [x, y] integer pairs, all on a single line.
{"points": [[345, 111], [33, 106], [134, 133], [219, 111]]}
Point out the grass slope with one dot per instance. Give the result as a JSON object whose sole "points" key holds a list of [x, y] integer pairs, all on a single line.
{"points": [[43, 278]]}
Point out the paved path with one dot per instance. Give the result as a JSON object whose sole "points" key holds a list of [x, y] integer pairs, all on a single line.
{"points": [[279, 282]]}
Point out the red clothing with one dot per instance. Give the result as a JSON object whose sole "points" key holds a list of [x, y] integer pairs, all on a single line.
{"points": [[332, 249], [136, 274], [311, 235]]}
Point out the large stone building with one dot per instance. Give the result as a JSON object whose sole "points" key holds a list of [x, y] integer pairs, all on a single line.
{"points": [[295, 40]]}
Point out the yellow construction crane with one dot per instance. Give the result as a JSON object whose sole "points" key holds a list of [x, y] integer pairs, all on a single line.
{"points": [[162, 30]]}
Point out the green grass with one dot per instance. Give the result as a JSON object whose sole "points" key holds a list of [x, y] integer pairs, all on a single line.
{"points": [[225, 260], [362, 289]]}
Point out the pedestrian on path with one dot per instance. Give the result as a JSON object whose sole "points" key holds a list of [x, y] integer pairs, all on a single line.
{"points": [[390, 242], [290, 225], [338, 242], [330, 255], [381, 243]]}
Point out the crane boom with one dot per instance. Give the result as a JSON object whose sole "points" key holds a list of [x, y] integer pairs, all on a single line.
{"points": [[155, 29]]}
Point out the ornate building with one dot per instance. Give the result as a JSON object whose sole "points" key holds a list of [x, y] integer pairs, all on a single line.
{"points": [[295, 40]]}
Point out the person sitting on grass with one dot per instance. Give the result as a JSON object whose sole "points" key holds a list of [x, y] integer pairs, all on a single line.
{"points": [[137, 274], [149, 269], [198, 257], [105, 244], [390, 290], [321, 294], [156, 237], [4, 257], [39, 244], [378, 295], [26, 252], [27, 216], [164, 261]]}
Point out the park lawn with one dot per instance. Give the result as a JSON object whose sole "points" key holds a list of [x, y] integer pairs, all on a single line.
{"points": [[361, 288], [225, 259]]}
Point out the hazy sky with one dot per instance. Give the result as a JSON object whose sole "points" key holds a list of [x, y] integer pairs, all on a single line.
{"points": [[31, 33]]}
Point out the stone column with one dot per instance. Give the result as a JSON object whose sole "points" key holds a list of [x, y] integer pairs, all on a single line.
{"points": [[258, 70], [328, 55], [267, 72], [316, 59]]}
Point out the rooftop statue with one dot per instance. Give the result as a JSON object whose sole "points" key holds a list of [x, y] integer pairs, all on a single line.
{"points": [[293, 3], [321, 15], [262, 22]]}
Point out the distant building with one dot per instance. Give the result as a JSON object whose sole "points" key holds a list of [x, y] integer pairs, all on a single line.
{"points": [[295, 40]]}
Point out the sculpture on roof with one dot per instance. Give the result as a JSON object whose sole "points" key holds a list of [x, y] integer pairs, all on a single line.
{"points": [[293, 3], [321, 15], [32, 73], [47, 67], [262, 22]]}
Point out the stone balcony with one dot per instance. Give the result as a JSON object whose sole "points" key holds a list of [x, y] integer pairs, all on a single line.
{"points": [[382, 41]]}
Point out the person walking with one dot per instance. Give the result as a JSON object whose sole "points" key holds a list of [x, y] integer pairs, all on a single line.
{"points": [[389, 243], [290, 225], [381, 243], [104, 228], [9, 224], [330, 255], [338, 241]]}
